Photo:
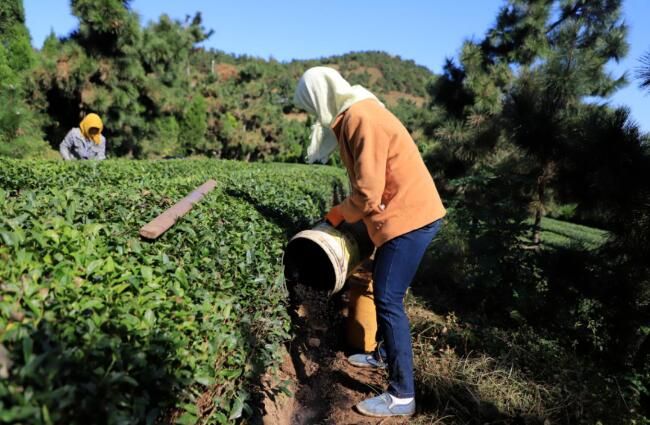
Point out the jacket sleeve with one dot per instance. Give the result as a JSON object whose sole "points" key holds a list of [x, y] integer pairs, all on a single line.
{"points": [[368, 144], [65, 146], [102, 149]]}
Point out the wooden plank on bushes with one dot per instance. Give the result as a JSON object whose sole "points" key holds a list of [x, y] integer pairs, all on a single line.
{"points": [[168, 218]]}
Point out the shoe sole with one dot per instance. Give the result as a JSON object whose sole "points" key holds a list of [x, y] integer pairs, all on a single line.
{"points": [[376, 415], [366, 365]]}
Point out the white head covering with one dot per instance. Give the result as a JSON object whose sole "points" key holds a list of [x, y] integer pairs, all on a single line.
{"points": [[323, 92]]}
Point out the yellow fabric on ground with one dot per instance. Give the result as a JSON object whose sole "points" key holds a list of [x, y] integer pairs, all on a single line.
{"points": [[362, 316]]}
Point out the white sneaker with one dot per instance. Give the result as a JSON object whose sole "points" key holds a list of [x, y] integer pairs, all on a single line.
{"points": [[384, 405], [366, 360]]}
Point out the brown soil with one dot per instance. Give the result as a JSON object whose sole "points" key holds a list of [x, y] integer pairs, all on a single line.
{"points": [[296, 116], [226, 71], [375, 73], [393, 97], [325, 387]]}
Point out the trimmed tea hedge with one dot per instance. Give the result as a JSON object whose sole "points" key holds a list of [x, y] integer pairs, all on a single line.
{"points": [[98, 326]]}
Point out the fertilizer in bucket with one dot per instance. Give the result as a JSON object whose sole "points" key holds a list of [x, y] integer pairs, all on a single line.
{"points": [[323, 257]]}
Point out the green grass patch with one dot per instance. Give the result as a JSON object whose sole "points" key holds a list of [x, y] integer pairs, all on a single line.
{"points": [[562, 234]]}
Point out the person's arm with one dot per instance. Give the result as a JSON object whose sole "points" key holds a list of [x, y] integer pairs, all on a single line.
{"points": [[66, 144], [369, 148]]}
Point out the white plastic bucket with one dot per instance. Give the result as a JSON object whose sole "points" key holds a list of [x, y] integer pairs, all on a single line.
{"points": [[323, 257]]}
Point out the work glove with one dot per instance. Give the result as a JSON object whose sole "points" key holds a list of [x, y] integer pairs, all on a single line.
{"points": [[334, 216]]}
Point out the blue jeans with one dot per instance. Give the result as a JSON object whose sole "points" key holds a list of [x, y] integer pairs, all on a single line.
{"points": [[395, 265]]}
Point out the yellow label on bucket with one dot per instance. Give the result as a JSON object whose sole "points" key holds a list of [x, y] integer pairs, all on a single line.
{"points": [[348, 245]]}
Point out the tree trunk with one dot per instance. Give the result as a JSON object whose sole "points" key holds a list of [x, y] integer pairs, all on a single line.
{"points": [[536, 231], [548, 172]]}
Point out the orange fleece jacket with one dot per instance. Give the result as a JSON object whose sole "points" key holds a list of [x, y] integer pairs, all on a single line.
{"points": [[392, 190]]}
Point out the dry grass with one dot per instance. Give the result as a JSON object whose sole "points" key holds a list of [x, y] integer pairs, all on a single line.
{"points": [[460, 387], [475, 386]]}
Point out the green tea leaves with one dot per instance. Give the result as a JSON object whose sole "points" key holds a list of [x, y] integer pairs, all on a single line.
{"points": [[99, 322]]}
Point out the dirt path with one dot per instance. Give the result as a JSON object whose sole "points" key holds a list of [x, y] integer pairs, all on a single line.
{"points": [[325, 387]]}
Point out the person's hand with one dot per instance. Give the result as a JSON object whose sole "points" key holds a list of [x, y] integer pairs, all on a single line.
{"points": [[335, 216]]}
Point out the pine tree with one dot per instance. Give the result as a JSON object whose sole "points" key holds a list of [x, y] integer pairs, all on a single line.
{"points": [[525, 80], [107, 28], [20, 133], [194, 126], [134, 78], [18, 55], [519, 133], [643, 73]]}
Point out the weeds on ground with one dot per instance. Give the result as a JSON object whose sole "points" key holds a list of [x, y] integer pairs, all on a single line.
{"points": [[470, 374]]}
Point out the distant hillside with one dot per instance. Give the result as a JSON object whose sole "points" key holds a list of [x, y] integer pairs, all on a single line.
{"points": [[249, 100], [379, 71]]}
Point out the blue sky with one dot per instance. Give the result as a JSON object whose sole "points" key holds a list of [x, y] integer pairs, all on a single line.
{"points": [[425, 31]]}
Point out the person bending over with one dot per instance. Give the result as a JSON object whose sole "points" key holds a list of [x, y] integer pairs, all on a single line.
{"points": [[394, 194], [86, 141]]}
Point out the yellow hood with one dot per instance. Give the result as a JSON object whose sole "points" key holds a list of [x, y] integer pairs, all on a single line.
{"points": [[92, 121]]}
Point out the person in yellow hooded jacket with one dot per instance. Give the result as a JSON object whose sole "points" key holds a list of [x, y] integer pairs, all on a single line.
{"points": [[85, 142]]}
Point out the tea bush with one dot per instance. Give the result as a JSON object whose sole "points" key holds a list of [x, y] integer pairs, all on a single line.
{"points": [[99, 326]]}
